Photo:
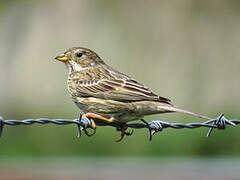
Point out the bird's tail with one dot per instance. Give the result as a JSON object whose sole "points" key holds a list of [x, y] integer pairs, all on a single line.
{"points": [[172, 108]]}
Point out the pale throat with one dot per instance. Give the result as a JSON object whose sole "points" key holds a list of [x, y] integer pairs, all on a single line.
{"points": [[73, 66]]}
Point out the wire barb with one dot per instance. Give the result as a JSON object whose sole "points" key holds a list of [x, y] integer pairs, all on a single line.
{"points": [[1, 125], [79, 127], [220, 123], [153, 127], [149, 129]]}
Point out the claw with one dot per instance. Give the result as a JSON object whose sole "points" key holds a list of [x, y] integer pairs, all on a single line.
{"points": [[123, 132], [129, 133], [94, 127], [86, 132], [120, 139]]}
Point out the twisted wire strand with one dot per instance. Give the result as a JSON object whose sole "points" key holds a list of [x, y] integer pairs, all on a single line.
{"points": [[153, 127]]}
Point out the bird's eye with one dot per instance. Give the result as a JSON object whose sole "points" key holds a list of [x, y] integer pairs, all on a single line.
{"points": [[79, 55]]}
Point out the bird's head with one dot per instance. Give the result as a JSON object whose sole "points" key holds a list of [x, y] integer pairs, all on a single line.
{"points": [[78, 58]]}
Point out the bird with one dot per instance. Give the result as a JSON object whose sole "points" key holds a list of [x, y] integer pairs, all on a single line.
{"points": [[106, 94]]}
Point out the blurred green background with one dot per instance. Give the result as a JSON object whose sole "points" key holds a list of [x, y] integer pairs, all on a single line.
{"points": [[185, 50]]}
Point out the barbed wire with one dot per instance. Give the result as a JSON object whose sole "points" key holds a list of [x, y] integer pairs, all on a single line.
{"points": [[153, 127]]}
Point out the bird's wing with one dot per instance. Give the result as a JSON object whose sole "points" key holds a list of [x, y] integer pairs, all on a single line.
{"points": [[120, 88]]}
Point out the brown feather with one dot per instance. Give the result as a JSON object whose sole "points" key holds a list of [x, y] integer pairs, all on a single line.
{"points": [[112, 86]]}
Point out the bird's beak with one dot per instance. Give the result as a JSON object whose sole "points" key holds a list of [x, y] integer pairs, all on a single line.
{"points": [[62, 57]]}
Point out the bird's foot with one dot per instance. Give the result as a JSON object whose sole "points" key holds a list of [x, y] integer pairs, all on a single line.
{"points": [[92, 118], [123, 129], [93, 125]]}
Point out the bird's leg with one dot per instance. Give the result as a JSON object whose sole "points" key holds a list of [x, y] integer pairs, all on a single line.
{"points": [[96, 116], [93, 116], [123, 129]]}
